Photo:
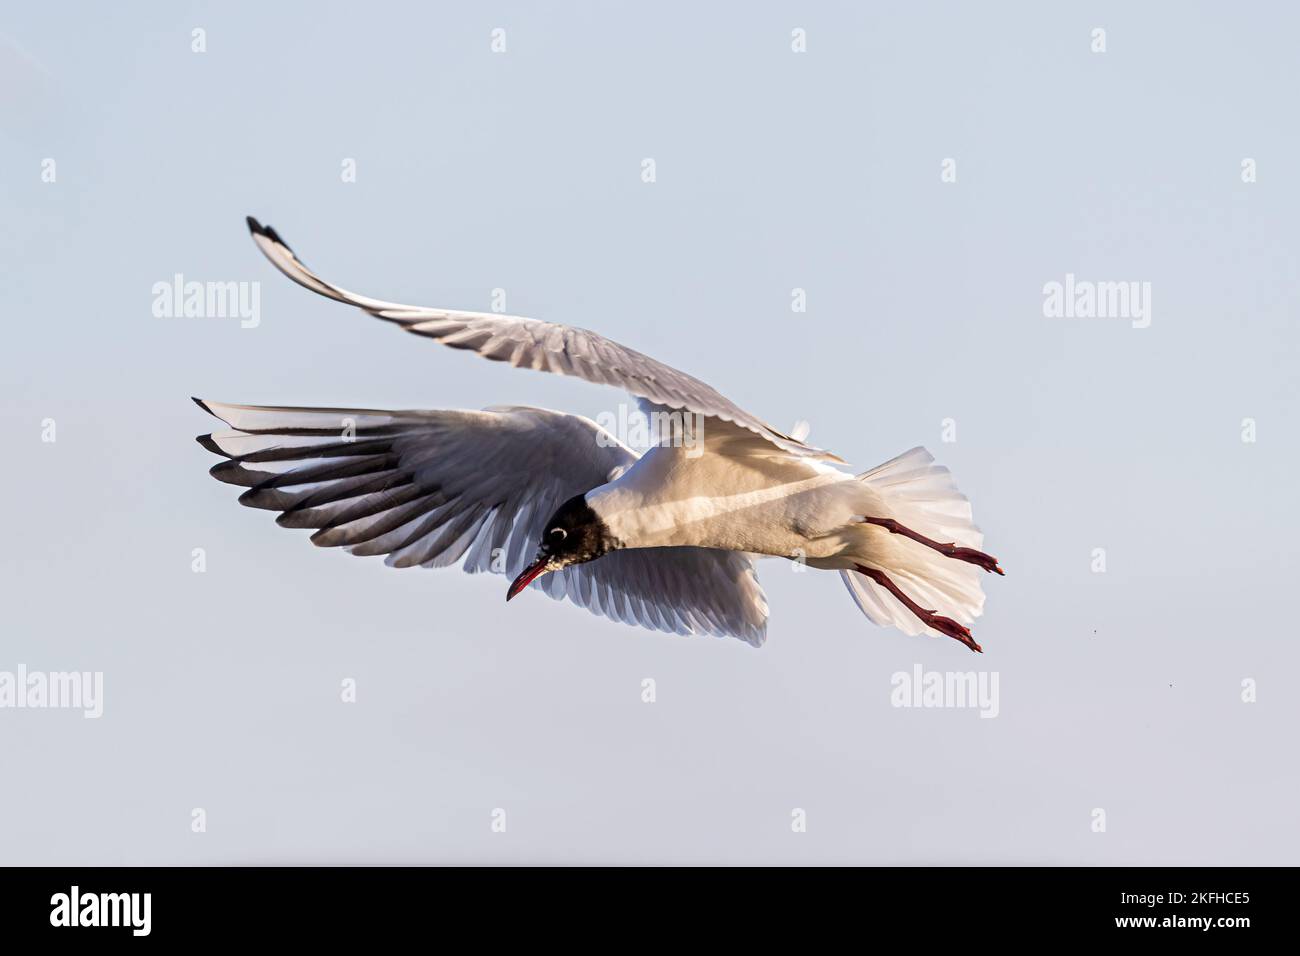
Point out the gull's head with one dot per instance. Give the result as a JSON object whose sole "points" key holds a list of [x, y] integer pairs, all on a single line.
{"points": [[574, 534]]}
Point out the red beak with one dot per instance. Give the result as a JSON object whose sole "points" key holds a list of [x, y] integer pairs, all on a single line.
{"points": [[531, 573]]}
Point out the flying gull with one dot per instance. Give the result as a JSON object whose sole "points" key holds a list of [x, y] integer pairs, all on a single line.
{"points": [[666, 540]]}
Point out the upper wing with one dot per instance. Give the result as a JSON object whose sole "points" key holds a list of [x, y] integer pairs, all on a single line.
{"points": [[429, 488], [545, 346]]}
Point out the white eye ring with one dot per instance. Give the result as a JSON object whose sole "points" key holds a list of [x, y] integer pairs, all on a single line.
{"points": [[560, 531]]}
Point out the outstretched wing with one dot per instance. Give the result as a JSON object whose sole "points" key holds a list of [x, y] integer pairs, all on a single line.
{"points": [[433, 488], [544, 346]]}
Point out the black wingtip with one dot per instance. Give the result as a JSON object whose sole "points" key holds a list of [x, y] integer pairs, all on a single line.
{"points": [[257, 229], [203, 405]]}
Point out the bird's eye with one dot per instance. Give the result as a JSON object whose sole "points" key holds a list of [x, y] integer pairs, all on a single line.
{"points": [[558, 534]]}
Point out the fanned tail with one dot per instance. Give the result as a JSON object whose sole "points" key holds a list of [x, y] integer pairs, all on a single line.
{"points": [[920, 559]]}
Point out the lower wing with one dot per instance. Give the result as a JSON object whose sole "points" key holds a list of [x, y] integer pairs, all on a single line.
{"points": [[436, 488]]}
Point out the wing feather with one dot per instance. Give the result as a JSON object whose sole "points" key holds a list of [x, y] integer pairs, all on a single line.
{"points": [[544, 346], [433, 488]]}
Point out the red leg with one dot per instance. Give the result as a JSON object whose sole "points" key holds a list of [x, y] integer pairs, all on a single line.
{"points": [[944, 625], [970, 555]]}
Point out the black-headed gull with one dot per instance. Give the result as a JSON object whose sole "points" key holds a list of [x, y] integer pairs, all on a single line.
{"points": [[666, 540]]}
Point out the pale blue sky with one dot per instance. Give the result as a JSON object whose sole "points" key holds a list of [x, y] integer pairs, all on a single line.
{"points": [[775, 170]]}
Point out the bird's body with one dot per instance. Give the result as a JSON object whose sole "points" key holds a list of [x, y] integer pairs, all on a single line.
{"points": [[742, 499], [666, 539]]}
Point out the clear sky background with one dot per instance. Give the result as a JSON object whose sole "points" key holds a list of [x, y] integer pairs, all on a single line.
{"points": [[775, 170]]}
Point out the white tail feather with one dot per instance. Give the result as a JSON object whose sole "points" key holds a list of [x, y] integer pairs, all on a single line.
{"points": [[921, 495]]}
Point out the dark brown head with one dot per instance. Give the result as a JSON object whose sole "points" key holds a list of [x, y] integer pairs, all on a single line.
{"points": [[575, 534]]}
